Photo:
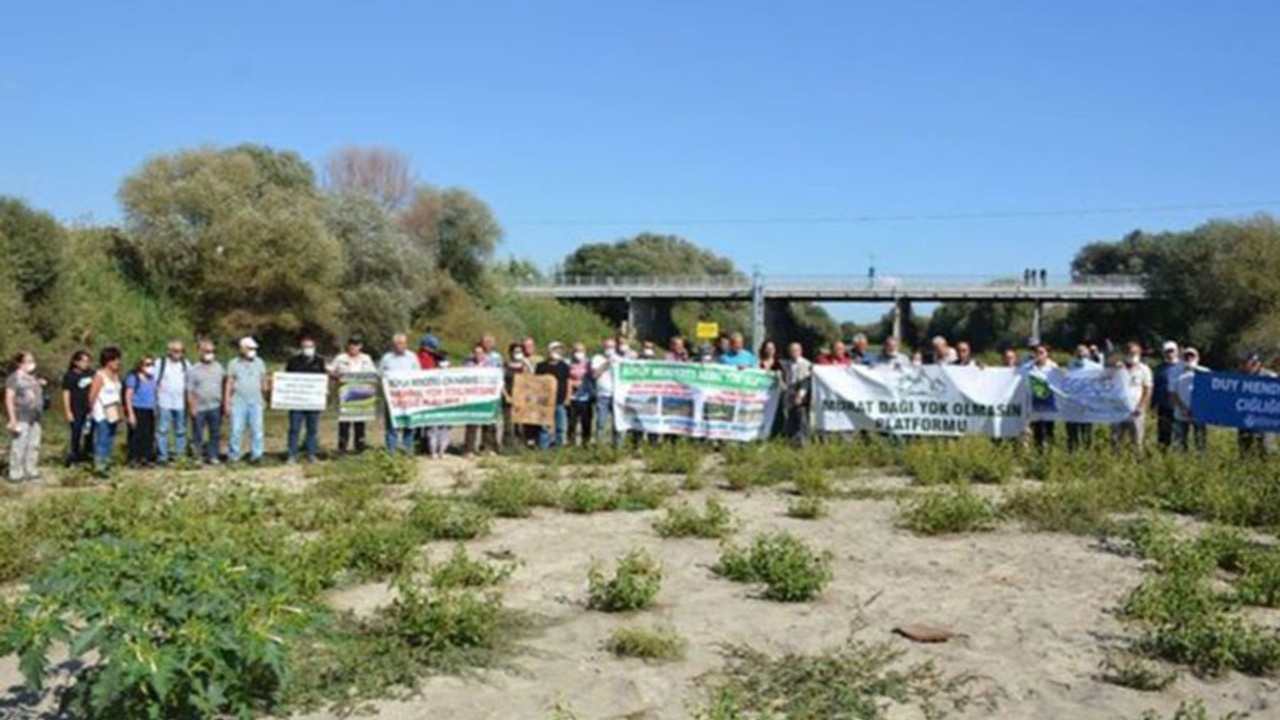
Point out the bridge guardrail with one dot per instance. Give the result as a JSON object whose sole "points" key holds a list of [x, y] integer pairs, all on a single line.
{"points": [[781, 283]]}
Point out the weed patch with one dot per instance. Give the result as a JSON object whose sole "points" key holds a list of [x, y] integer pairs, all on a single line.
{"points": [[634, 585], [806, 508], [957, 509], [656, 645], [790, 570], [715, 521]]}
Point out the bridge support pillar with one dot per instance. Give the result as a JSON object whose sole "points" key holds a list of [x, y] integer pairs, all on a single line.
{"points": [[757, 310], [901, 309], [1037, 314], [649, 319]]}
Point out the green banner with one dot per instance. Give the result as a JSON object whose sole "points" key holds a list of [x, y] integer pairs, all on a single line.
{"points": [[452, 396], [358, 396], [694, 400]]}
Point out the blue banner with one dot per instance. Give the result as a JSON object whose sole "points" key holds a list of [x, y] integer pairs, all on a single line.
{"points": [[1248, 402]]}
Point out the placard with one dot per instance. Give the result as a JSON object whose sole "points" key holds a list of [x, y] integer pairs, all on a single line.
{"points": [[450, 396], [358, 396], [694, 400], [299, 391], [533, 400], [708, 330]]}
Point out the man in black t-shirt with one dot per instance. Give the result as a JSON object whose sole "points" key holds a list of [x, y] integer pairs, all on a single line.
{"points": [[307, 361], [556, 367], [75, 408]]}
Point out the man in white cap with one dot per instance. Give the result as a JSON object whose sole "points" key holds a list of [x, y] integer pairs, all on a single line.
{"points": [[1164, 390], [248, 385]]}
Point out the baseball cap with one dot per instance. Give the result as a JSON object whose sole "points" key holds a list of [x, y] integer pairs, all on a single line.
{"points": [[248, 343], [1169, 346], [430, 342], [555, 345]]}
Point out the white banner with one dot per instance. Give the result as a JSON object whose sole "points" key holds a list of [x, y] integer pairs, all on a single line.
{"points": [[694, 400], [1081, 395], [935, 400], [299, 391]]}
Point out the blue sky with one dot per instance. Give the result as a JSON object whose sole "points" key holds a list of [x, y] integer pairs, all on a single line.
{"points": [[799, 137]]}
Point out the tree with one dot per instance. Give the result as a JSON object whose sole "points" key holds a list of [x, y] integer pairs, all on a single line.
{"points": [[646, 254], [458, 230], [383, 173], [386, 275], [237, 237], [33, 245]]}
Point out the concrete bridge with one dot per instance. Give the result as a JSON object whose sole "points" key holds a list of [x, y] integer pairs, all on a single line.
{"points": [[648, 299]]}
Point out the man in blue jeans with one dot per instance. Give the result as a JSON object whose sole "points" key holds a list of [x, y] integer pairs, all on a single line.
{"points": [[171, 401], [602, 370], [206, 381], [305, 362], [247, 387], [399, 359], [556, 367]]}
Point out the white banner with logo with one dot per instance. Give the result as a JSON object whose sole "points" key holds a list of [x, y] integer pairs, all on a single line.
{"points": [[939, 400], [1082, 395]]}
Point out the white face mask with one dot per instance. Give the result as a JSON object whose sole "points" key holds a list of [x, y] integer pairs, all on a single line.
{"points": [[517, 356], [556, 355], [207, 357], [29, 367], [624, 348], [1134, 359], [579, 356], [308, 352], [251, 354]]}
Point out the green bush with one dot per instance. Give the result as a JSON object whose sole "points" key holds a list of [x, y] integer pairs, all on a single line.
{"points": [[636, 493], [678, 458], [585, 497], [962, 460], [1134, 673], [1259, 581], [715, 521], [790, 570], [956, 509], [377, 551], [439, 518], [806, 508], [634, 586], [166, 630], [461, 571], [648, 644], [513, 492]]}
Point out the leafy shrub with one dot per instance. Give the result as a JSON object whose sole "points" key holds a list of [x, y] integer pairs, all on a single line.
{"points": [[858, 680], [806, 508], [438, 518], [1074, 506], [956, 509], [584, 497], [174, 630], [813, 482], [715, 521], [1259, 581], [960, 461], [1127, 671], [636, 493], [648, 644], [1193, 710], [790, 569], [378, 550], [634, 586], [678, 458], [514, 493], [461, 571]]}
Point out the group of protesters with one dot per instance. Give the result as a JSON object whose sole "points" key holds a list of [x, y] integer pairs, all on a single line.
{"points": [[170, 406]]}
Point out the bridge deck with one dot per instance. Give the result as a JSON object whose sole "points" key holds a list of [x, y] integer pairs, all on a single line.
{"points": [[848, 289]]}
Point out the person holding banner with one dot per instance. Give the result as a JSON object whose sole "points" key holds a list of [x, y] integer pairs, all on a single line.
{"points": [[602, 370], [1251, 443], [1080, 435], [581, 396], [1166, 376], [306, 361], [347, 366], [797, 375], [556, 367], [1184, 423], [1041, 429], [1139, 379], [398, 359], [516, 365], [890, 354], [482, 438], [738, 356]]}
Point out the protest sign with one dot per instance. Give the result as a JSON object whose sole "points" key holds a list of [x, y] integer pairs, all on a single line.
{"points": [[452, 396], [299, 391], [926, 400], [1081, 395], [1247, 402], [694, 400], [358, 396], [533, 400]]}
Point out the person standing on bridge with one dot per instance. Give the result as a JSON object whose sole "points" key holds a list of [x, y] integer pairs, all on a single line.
{"points": [[1044, 278]]}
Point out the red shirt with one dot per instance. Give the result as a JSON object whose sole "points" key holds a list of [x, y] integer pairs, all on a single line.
{"points": [[426, 360], [828, 359]]}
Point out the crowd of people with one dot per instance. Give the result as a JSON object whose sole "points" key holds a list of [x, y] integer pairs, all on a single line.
{"points": [[170, 406]]}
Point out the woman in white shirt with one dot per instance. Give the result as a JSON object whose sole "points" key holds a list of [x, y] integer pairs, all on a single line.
{"points": [[106, 402]]}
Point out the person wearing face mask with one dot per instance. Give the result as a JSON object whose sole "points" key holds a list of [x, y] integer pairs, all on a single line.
{"points": [[354, 360], [581, 396], [106, 397], [1140, 383], [248, 385], [1185, 427], [306, 361], [1250, 442], [206, 383], [140, 412], [556, 367], [171, 401], [602, 373], [397, 360], [75, 407], [516, 365], [24, 408], [482, 438]]}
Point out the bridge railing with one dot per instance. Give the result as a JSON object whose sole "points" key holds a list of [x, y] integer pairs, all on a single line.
{"points": [[777, 283]]}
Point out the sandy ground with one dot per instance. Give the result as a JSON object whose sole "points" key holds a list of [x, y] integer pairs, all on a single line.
{"points": [[1034, 609]]}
